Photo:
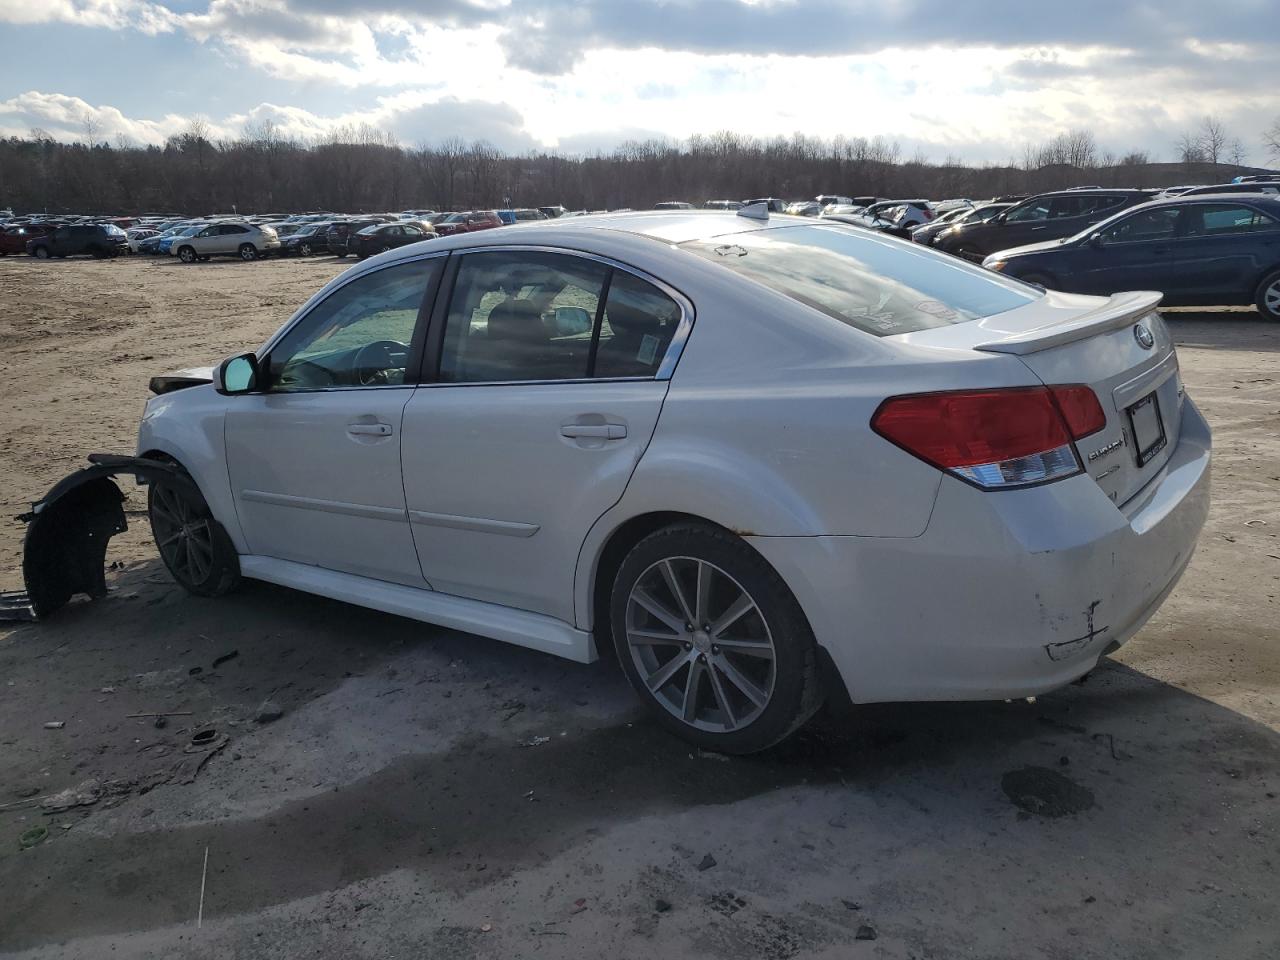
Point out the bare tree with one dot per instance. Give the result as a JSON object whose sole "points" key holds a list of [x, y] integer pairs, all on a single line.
{"points": [[1189, 148], [1271, 140], [1236, 152], [1212, 140], [91, 127]]}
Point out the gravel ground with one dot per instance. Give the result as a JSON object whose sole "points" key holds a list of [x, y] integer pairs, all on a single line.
{"points": [[428, 793]]}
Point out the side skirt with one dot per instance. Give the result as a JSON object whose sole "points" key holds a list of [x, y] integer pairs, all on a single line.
{"points": [[533, 630]]}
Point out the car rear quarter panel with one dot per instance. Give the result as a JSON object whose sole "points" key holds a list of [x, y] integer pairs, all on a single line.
{"points": [[766, 428]]}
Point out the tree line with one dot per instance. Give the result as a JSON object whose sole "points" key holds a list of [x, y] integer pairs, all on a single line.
{"points": [[363, 169]]}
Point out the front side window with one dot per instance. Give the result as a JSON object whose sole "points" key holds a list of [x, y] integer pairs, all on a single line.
{"points": [[1158, 224], [1032, 210], [879, 286], [358, 336]]}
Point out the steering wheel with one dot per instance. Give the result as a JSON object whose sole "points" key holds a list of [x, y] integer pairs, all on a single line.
{"points": [[373, 360]]}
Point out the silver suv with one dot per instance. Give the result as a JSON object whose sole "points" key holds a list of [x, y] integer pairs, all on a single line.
{"points": [[236, 238]]}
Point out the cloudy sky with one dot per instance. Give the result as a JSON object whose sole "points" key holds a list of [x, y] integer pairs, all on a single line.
{"points": [[972, 78]]}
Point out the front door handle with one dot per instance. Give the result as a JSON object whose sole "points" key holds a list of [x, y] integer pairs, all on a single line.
{"points": [[596, 431], [369, 429]]}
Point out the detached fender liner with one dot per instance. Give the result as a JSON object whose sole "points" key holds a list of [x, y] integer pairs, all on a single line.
{"points": [[65, 549]]}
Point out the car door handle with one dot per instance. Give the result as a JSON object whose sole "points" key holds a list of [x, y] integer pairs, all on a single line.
{"points": [[369, 429], [597, 431], [1041, 227]]}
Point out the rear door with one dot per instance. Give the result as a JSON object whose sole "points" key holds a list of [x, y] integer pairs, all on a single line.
{"points": [[1220, 253], [553, 368]]}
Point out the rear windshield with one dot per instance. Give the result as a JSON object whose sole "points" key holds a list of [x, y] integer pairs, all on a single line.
{"points": [[877, 285]]}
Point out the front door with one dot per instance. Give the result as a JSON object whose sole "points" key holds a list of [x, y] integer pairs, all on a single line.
{"points": [[314, 459], [549, 386], [1134, 253]]}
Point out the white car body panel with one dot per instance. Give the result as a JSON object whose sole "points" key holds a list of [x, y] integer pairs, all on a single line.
{"points": [[500, 500], [763, 429]]}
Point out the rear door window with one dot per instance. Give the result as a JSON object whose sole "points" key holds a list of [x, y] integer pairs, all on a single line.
{"points": [[1220, 219], [879, 286], [1037, 209]]}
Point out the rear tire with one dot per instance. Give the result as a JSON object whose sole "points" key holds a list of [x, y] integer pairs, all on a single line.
{"points": [[1268, 296], [193, 545], [40, 253], [304, 249], [746, 676], [248, 252]]}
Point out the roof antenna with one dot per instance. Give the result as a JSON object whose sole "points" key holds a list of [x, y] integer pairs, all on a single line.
{"points": [[756, 211]]}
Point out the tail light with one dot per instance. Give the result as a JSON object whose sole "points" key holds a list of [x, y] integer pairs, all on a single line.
{"points": [[994, 439]]}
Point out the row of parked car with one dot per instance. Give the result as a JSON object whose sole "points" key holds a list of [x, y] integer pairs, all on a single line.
{"points": [[1216, 244], [201, 238]]}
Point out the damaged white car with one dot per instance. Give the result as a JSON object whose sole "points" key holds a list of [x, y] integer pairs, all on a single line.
{"points": [[762, 459]]}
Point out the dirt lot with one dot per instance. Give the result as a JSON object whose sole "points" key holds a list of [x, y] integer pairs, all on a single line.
{"points": [[407, 803]]}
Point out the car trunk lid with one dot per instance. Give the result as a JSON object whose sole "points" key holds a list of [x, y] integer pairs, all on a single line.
{"points": [[1120, 348]]}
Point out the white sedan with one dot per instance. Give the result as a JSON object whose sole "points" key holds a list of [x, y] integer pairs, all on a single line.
{"points": [[759, 459]]}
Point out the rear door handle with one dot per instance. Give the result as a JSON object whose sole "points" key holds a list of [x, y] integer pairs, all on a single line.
{"points": [[369, 429], [598, 431]]}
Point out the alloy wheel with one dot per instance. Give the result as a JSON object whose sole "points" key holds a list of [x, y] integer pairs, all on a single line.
{"points": [[185, 539], [248, 251], [187, 255], [304, 249], [1271, 298], [700, 644]]}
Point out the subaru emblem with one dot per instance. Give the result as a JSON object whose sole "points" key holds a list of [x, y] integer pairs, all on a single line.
{"points": [[1145, 340]]}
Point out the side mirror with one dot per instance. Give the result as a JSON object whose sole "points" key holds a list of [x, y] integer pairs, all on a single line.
{"points": [[1000, 218], [1097, 241], [237, 375], [571, 321]]}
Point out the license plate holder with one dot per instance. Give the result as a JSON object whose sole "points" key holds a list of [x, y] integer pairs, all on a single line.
{"points": [[1147, 428]]}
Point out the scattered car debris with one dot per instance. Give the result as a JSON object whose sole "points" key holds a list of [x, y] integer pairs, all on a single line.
{"points": [[204, 738], [33, 836], [1045, 792], [851, 904], [84, 794], [1255, 523], [707, 862], [55, 724], [661, 906], [535, 741], [865, 932], [579, 905], [170, 713], [219, 661], [269, 712]]}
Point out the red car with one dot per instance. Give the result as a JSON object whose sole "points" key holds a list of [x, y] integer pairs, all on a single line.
{"points": [[13, 238], [468, 222]]}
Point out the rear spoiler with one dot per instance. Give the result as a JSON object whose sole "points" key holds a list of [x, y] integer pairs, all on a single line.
{"points": [[1120, 310]]}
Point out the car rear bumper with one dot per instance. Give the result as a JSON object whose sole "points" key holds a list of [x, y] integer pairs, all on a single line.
{"points": [[1005, 594]]}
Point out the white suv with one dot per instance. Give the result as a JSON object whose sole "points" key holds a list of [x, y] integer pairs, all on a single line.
{"points": [[236, 238]]}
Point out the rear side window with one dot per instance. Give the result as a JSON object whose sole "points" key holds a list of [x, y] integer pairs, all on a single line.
{"points": [[1217, 219], [879, 286]]}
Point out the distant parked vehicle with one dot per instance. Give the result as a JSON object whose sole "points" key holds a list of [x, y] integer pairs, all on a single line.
{"points": [[226, 238], [381, 237], [468, 222], [773, 204], [827, 199], [553, 212], [673, 205], [911, 214], [98, 240], [1253, 186], [722, 205], [340, 232], [937, 227], [136, 235], [866, 222], [14, 237], [804, 208], [1049, 216], [308, 239], [415, 214], [520, 215], [1218, 249]]}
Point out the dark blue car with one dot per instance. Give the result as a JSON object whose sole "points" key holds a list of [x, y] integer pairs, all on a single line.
{"points": [[1204, 250]]}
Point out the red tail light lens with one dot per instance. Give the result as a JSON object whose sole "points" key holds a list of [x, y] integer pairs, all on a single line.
{"points": [[1080, 407], [992, 438]]}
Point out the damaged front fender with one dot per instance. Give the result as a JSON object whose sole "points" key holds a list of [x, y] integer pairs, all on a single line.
{"points": [[65, 549]]}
